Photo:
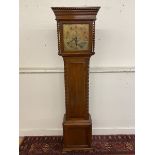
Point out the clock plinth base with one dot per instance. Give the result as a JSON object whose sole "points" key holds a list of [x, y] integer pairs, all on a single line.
{"points": [[77, 134], [76, 149]]}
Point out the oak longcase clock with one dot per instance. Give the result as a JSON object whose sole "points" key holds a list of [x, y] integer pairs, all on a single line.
{"points": [[76, 39]]}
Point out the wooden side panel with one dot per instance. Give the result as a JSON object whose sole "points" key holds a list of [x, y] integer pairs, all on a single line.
{"points": [[76, 84]]}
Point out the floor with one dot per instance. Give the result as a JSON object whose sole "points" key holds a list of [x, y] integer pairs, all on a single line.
{"points": [[112, 144]]}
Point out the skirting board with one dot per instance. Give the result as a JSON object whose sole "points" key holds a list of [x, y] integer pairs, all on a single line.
{"points": [[96, 131]]}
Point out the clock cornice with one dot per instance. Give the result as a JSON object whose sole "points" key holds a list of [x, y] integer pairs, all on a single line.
{"points": [[76, 13]]}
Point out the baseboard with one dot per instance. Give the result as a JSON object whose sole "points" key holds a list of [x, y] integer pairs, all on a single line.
{"points": [[96, 131], [113, 131]]}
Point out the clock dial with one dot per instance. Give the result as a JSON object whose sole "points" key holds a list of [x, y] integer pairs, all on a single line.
{"points": [[76, 37]]}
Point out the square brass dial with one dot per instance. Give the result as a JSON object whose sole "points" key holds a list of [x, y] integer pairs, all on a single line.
{"points": [[76, 37]]}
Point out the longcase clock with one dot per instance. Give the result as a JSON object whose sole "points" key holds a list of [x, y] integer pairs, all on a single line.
{"points": [[76, 40]]}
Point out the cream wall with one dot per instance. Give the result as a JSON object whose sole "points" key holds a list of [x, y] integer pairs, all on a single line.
{"points": [[111, 73]]}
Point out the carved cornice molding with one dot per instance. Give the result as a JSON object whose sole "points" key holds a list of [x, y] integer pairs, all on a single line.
{"points": [[88, 13], [76, 8]]}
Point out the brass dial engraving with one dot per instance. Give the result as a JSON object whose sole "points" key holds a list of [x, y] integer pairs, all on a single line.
{"points": [[76, 37]]}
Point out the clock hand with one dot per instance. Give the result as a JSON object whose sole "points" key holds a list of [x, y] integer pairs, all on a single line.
{"points": [[73, 39], [76, 41], [70, 41]]}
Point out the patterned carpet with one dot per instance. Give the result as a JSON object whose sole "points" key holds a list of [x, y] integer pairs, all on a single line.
{"points": [[103, 145]]}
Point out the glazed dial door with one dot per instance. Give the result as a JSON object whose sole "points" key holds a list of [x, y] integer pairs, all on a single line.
{"points": [[76, 37]]}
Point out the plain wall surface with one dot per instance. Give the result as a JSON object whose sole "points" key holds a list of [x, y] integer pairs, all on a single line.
{"points": [[111, 91]]}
